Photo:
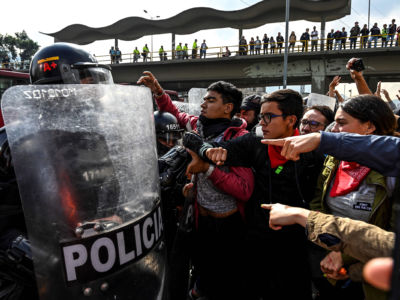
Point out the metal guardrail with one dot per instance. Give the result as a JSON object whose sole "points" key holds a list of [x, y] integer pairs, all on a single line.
{"points": [[298, 46]]}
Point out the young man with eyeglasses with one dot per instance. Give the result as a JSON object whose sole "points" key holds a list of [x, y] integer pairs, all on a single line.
{"points": [[280, 257], [316, 118]]}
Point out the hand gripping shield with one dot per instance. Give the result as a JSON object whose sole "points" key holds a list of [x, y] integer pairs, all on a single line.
{"points": [[86, 165]]}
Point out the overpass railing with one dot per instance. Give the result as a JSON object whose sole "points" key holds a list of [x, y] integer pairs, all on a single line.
{"points": [[334, 44]]}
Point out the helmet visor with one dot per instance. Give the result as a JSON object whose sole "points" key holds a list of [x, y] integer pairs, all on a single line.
{"points": [[90, 75], [170, 136]]}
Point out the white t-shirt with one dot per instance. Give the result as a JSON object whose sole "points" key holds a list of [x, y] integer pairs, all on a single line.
{"points": [[314, 35]]}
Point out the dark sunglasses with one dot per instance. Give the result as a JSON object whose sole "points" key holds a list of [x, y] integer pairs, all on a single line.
{"points": [[312, 124], [267, 117]]}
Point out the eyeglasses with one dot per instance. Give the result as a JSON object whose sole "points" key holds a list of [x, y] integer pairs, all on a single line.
{"points": [[312, 124], [267, 117]]}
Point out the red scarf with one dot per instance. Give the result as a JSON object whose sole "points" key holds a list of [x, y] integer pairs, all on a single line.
{"points": [[274, 153], [348, 178]]}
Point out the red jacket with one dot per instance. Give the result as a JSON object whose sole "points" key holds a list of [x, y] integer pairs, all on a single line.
{"points": [[239, 182]]}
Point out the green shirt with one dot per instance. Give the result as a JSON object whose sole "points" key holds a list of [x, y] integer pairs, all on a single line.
{"points": [[179, 47], [161, 51], [145, 49], [185, 48], [136, 51], [194, 46]]}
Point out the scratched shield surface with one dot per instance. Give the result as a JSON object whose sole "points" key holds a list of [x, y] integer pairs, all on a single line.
{"points": [[86, 165]]}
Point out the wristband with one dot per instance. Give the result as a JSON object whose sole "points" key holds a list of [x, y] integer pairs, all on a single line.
{"points": [[209, 171]]}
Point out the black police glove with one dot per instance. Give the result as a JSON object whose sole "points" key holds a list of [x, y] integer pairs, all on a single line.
{"points": [[192, 141]]}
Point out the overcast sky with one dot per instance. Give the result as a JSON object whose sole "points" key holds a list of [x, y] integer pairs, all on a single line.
{"points": [[53, 15]]}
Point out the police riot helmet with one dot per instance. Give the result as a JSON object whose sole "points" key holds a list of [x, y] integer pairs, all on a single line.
{"points": [[167, 127], [63, 63]]}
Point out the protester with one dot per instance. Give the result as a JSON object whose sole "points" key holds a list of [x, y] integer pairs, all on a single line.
{"points": [[250, 109], [366, 195], [286, 274], [354, 33], [314, 39], [355, 238], [220, 192], [316, 118], [265, 43]]}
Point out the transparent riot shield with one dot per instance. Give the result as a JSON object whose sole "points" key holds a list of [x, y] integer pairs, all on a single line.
{"points": [[195, 98], [86, 164], [190, 108]]}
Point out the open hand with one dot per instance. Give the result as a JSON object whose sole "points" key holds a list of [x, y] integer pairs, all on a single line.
{"points": [[151, 82]]}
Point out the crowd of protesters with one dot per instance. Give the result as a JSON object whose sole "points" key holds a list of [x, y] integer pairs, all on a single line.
{"points": [[340, 39], [238, 251]]}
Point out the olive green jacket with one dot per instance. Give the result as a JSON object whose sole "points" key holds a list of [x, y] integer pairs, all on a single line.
{"points": [[354, 238], [381, 215]]}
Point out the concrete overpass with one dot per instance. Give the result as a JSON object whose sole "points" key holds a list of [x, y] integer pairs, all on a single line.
{"points": [[316, 68]]}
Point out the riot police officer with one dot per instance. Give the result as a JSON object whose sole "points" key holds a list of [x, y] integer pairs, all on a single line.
{"points": [[168, 131], [56, 64]]}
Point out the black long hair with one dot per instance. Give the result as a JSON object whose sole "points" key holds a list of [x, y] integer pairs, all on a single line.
{"points": [[371, 108]]}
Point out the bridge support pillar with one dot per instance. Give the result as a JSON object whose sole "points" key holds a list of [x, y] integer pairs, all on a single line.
{"points": [[240, 33], [319, 80], [322, 36], [173, 46]]}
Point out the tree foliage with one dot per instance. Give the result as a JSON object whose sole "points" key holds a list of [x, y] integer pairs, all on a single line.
{"points": [[18, 45]]}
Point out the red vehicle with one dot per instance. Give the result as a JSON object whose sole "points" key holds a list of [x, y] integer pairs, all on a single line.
{"points": [[9, 78]]}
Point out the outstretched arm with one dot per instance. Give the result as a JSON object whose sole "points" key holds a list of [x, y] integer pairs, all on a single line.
{"points": [[381, 153], [164, 101], [358, 239]]}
